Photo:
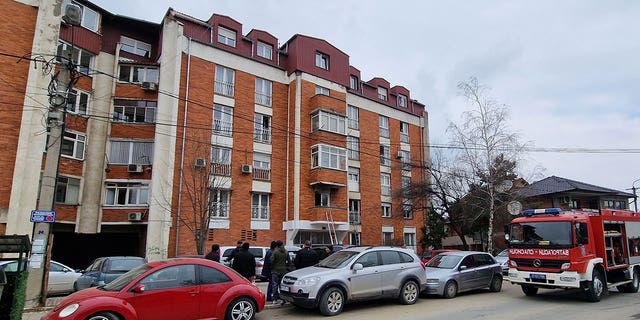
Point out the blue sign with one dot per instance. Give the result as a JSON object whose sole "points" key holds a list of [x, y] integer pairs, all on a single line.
{"points": [[43, 216]]}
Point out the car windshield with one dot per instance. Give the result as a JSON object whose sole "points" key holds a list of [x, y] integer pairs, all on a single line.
{"points": [[121, 281], [541, 235], [337, 260], [444, 261], [123, 265], [503, 253]]}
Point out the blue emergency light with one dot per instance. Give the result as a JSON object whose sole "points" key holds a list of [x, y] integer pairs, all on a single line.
{"points": [[533, 212]]}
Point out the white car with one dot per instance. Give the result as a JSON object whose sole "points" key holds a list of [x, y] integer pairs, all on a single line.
{"points": [[61, 277], [503, 259]]}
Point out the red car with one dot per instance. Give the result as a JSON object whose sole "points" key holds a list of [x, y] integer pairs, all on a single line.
{"points": [[181, 288]]}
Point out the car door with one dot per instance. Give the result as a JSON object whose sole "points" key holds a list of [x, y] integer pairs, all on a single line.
{"points": [[213, 286], [89, 275], [170, 293], [366, 282], [61, 278], [391, 270], [485, 265], [467, 273]]}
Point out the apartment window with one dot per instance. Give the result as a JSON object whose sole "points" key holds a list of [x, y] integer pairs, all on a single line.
{"points": [[407, 211], [222, 120], [387, 238], [406, 159], [219, 203], [220, 155], [82, 58], [78, 102], [327, 121], [354, 238], [67, 190], [226, 36], [609, 204], [353, 179], [131, 152], [134, 111], [260, 206], [262, 128], [409, 239], [322, 90], [322, 198], [383, 123], [402, 101], [352, 116], [406, 186], [385, 155], [224, 81], [385, 184], [263, 92], [353, 82], [73, 145], [322, 61], [265, 50], [134, 46], [382, 93], [404, 132], [330, 157], [138, 74], [353, 147], [126, 194], [354, 211], [386, 210], [90, 18], [621, 205], [262, 166]]}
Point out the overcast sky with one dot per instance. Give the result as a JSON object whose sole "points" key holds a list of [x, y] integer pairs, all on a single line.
{"points": [[568, 70]]}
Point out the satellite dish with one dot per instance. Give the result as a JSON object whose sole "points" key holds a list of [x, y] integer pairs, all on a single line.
{"points": [[514, 207]]}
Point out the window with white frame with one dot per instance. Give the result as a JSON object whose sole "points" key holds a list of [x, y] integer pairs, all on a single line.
{"points": [[126, 194], [354, 211], [261, 161], [78, 102], [407, 211], [387, 238], [67, 190], [222, 120], [322, 60], [402, 101], [82, 58], [406, 159], [385, 184], [265, 50], [353, 179], [327, 156], [220, 155], [409, 239], [134, 46], [224, 82], [352, 116], [130, 152], [354, 238], [386, 210], [322, 90], [406, 186], [138, 74], [328, 121], [263, 92], [382, 93], [322, 198], [404, 132], [622, 205], [226, 36], [262, 128], [134, 111], [260, 206], [90, 18], [385, 155], [383, 123], [353, 147], [73, 145], [353, 82], [219, 199]]}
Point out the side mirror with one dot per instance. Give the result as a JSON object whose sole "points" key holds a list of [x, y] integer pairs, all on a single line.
{"points": [[462, 268], [139, 288], [357, 267]]}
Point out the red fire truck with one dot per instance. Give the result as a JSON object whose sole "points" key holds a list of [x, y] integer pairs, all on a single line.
{"points": [[593, 250]]}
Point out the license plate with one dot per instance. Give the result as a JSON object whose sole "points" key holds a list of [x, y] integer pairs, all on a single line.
{"points": [[538, 276], [284, 288]]}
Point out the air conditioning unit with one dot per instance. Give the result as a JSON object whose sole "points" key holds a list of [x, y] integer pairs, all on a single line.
{"points": [[149, 86], [134, 168], [246, 168], [399, 154], [200, 163], [135, 216]]}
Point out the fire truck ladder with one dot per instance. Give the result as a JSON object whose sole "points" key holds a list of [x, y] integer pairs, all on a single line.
{"points": [[332, 228]]}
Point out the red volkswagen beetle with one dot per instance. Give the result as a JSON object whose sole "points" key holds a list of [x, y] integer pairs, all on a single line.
{"points": [[182, 288]]}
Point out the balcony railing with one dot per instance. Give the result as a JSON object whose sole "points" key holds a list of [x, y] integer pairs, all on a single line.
{"points": [[224, 88], [262, 135], [263, 99], [220, 210], [222, 127], [354, 217], [221, 169], [259, 213], [262, 174]]}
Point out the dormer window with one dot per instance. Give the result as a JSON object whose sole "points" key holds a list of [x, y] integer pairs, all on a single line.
{"points": [[353, 83], [382, 93], [135, 46], [226, 36], [402, 101], [322, 61], [265, 50]]}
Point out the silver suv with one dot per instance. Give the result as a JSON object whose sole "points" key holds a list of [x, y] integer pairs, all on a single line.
{"points": [[356, 273]]}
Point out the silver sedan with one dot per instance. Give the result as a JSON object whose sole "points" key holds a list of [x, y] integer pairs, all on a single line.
{"points": [[452, 272]]}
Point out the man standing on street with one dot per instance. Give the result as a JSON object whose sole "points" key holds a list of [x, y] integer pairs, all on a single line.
{"points": [[245, 263], [279, 262], [305, 257], [234, 252]]}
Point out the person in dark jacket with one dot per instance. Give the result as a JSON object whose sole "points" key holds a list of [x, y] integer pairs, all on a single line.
{"points": [[279, 262], [244, 263], [234, 252], [305, 257], [266, 270], [214, 254]]}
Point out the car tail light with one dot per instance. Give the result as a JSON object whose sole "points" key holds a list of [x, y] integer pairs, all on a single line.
{"points": [[423, 264], [259, 264]]}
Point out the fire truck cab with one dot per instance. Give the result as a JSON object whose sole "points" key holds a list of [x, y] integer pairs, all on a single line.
{"points": [[591, 250]]}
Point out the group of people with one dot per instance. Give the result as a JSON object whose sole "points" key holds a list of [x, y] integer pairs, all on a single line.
{"points": [[276, 263]]}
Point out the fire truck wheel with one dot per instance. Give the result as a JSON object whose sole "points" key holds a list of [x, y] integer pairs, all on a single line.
{"points": [[633, 286], [496, 284], [595, 287], [450, 289], [529, 290]]}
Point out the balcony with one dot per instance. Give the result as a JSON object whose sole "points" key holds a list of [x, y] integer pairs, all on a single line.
{"points": [[262, 135], [263, 99], [222, 127], [221, 169], [259, 213], [224, 88], [261, 174]]}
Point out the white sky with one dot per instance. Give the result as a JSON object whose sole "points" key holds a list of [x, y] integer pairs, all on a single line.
{"points": [[569, 70]]}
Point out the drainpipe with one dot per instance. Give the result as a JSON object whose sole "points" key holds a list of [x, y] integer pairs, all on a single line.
{"points": [[184, 137]]}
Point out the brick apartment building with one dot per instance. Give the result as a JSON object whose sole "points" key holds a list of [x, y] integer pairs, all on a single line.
{"points": [[295, 145]]}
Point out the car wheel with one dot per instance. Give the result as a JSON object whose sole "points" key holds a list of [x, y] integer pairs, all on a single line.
{"points": [[496, 284], [450, 289], [409, 292], [332, 302], [529, 290], [241, 309], [103, 316], [595, 287], [633, 286]]}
